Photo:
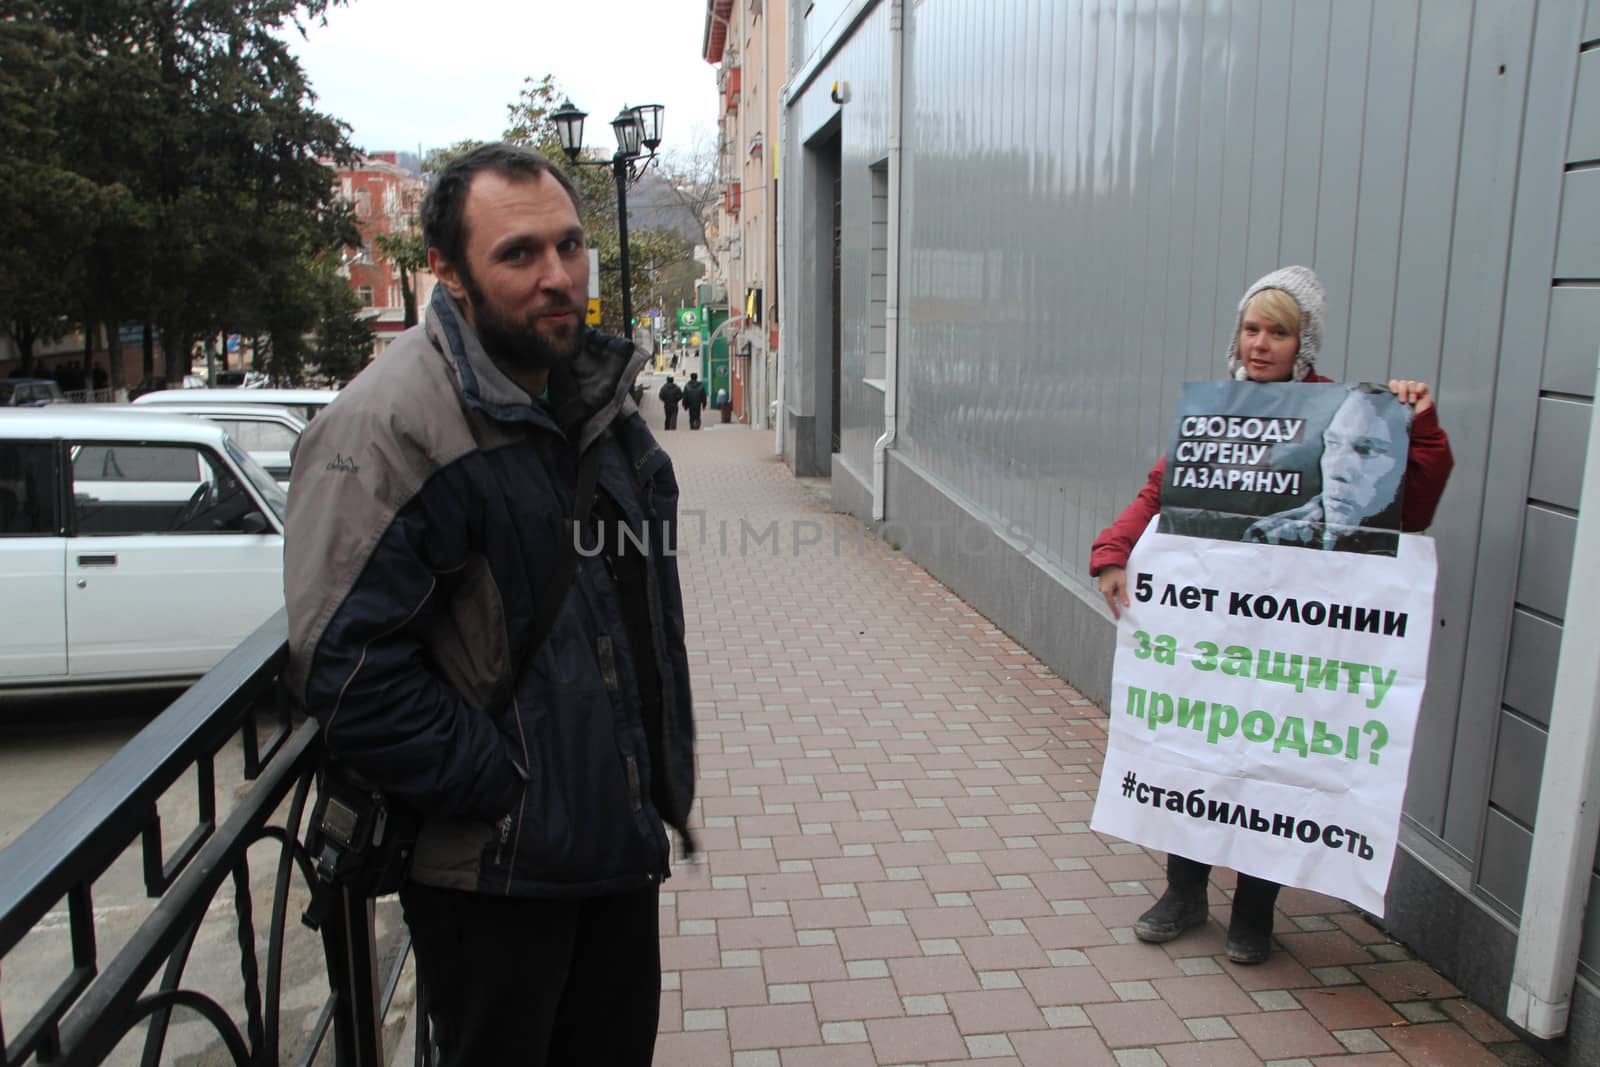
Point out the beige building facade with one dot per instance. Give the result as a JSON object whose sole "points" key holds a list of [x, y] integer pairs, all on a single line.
{"points": [[746, 41]]}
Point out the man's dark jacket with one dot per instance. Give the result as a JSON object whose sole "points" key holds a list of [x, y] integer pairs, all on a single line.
{"points": [[694, 395], [427, 511], [669, 396]]}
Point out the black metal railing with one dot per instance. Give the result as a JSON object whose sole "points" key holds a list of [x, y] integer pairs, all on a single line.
{"points": [[93, 1006]]}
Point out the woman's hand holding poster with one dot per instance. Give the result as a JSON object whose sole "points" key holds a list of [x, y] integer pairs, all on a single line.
{"points": [[1269, 671]]}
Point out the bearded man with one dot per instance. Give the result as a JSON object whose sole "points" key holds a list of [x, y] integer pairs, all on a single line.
{"points": [[480, 638]]}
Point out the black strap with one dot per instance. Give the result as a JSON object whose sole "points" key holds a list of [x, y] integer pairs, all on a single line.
{"points": [[554, 592]]}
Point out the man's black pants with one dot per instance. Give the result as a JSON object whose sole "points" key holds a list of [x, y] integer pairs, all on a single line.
{"points": [[672, 417], [694, 418], [516, 982]]}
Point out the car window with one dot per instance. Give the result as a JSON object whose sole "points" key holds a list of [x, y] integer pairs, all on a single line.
{"points": [[256, 435], [27, 489], [120, 489], [269, 489], [6, 389]]}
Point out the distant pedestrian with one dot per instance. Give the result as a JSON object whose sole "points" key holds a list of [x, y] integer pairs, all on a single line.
{"points": [[694, 398], [670, 395]]}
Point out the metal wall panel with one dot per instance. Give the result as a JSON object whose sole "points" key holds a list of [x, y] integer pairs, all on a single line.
{"points": [[1591, 26], [1495, 274], [1506, 880], [1583, 144], [1559, 445], [1519, 762], [1578, 253], [1531, 665], [1546, 561], [1573, 349]]}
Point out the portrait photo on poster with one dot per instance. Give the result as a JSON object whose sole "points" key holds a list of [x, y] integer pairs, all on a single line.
{"points": [[1311, 465]]}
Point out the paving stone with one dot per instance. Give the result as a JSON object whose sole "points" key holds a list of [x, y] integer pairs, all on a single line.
{"points": [[1229, 1052], [1360, 1040], [773, 1026], [988, 1046], [1210, 1028], [692, 1049], [1143, 1023], [1329, 949], [719, 988], [1275, 1000], [1077, 1047], [1477, 1022], [1441, 1043], [1140, 990], [1347, 1007], [924, 1039], [926, 1004], [995, 1011], [1276, 1035], [1138, 1057], [1204, 995], [1420, 1011], [1335, 975], [1065, 1016]]}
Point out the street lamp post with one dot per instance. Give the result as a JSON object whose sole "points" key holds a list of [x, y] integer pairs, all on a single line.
{"points": [[634, 127]]}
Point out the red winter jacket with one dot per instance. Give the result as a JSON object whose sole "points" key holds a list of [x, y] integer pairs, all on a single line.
{"points": [[1428, 466]]}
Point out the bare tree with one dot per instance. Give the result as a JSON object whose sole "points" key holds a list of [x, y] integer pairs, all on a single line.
{"points": [[693, 176]]}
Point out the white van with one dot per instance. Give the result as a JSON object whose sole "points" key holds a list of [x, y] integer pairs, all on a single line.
{"points": [[132, 549], [303, 402]]}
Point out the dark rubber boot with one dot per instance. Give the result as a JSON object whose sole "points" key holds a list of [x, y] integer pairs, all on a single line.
{"points": [[1182, 907], [1250, 928]]}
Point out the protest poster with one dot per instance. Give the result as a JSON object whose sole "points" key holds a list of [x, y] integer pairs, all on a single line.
{"points": [[1264, 699], [1313, 465]]}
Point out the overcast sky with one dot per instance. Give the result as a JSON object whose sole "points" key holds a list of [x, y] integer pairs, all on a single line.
{"points": [[405, 73]]}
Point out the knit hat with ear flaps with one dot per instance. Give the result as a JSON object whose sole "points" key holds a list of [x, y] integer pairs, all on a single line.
{"points": [[1305, 287]]}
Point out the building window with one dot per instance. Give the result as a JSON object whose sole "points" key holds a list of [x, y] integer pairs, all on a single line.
{"points": [[363, 203], [365, 293]]}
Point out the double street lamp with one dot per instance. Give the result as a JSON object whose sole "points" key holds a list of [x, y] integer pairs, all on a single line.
{"points": [[638, 131]]}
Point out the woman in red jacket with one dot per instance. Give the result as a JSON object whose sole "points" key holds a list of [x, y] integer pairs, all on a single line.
{"points": [[1276, 338]]}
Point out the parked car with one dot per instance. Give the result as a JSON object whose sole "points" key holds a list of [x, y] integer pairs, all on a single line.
{"points": [[268, 433], [239, 379], [29, 392], [303, 402], [134, 549]]}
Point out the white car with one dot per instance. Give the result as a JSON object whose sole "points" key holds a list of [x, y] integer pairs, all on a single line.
{"points": [[132, 550], [268, 433], [303, 402]]}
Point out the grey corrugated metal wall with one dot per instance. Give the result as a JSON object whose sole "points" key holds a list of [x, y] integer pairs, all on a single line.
{"points": [[1087, 188], [1553, 314]]}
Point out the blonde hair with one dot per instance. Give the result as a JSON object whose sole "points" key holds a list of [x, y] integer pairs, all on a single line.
{"points": [[1277, 306]]}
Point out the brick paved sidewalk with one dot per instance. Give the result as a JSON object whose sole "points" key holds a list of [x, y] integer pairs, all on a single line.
{"points": [[898, 868]]}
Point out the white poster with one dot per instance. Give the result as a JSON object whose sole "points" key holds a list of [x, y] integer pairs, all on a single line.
{"points": [[1264, 702]]}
